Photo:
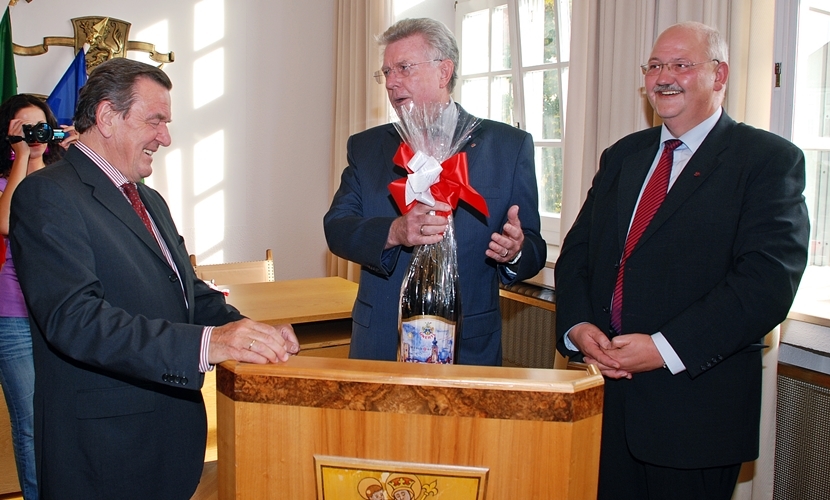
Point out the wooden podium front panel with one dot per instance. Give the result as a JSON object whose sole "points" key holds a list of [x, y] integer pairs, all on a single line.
{"points": [[537, 431]]}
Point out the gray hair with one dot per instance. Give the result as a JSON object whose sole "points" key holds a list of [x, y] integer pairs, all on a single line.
{"points": [[114, 81], [716, 47], [436, 34]]}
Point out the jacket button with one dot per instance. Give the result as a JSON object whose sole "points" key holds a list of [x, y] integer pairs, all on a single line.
{"points": [[606, 309], [184, 380]]}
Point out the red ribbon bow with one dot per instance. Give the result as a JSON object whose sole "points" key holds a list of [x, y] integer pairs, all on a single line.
{"points": [[452, 185]]}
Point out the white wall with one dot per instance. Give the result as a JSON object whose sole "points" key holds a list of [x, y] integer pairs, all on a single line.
{"points": [[273, 112]]}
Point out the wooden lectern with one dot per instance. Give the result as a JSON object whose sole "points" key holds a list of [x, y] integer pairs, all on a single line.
{"points": [[536, 433]]}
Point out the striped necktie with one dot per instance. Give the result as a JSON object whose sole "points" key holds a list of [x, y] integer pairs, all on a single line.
{"points": [[650, 201], [132, 194]]}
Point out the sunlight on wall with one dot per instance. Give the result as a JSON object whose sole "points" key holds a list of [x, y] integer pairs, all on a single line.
{"points": [[208, 77], [209, 153], [208, 174], [209, 218], [208, 23], [208, 161], [173, 169], [157, 34]]}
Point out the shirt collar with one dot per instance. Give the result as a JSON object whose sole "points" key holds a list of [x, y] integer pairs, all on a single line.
{"points": [[694, 137], [114, 175]]}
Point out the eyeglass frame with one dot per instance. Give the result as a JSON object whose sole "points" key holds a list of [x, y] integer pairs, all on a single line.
{"points": [[672, 67], [382, 75]]}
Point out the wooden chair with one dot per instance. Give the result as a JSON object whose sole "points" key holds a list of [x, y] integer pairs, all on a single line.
{"points": [[232, 273]]}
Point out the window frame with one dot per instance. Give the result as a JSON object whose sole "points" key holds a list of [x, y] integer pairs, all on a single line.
{"points": [[550, 222]]}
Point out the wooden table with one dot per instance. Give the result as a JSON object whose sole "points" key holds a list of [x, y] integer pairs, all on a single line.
{"points": [[320, 310]]}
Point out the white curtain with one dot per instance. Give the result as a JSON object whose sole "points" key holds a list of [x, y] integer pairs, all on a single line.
{"points": [[606, 101], [360, 103]]}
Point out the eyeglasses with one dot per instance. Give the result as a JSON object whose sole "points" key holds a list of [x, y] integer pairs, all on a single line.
{"points": [[675, 68], [401, 69]]}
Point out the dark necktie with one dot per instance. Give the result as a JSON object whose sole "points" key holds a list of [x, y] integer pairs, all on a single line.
{"points": [[650, 201], [132, 194]]}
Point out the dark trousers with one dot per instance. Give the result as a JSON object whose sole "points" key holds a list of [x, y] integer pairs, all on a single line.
{"points": [[623, 477]]}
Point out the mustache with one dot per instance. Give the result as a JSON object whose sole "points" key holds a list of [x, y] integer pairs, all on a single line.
{"points": [[666, 88]]}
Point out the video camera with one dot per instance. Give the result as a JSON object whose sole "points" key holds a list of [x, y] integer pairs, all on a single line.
{"points": [[42, 133]]}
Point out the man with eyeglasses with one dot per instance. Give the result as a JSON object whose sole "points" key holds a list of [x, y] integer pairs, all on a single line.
{"points": [[688, 250], [363, 224]]}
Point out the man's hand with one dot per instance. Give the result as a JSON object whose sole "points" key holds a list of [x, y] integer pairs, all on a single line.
{"points": [[635, 353], [252, 342], [594, 345], [418, 226], [505, 246]]}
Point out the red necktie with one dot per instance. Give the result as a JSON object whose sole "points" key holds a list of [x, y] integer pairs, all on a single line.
{"points": [[650, 201], [132, 194]]}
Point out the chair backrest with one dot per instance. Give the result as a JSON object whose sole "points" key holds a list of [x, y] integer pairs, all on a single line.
{"points": [[233, 273]]}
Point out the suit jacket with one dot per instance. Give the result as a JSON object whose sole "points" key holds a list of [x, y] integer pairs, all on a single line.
{"points": [[501, 169], [118, 411], [715, 271]]}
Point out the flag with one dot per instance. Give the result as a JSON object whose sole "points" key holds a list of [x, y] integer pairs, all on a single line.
{"points": [[8, 76], [64, 97]]}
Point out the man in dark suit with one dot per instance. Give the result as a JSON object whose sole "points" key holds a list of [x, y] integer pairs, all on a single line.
{"points": [[675, 319], [122, 329], [363, 224]]}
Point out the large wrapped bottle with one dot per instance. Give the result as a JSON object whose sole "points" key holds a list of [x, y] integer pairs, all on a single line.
{"points": [[430, 314], [429, 317]]}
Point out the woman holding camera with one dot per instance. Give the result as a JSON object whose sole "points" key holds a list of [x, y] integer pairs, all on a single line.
{"points": [[21, 153]]}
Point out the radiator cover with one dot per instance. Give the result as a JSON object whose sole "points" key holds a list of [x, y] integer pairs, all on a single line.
{"points": [[802, 450]]}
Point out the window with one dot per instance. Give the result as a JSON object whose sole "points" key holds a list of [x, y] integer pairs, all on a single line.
{"points": [[514, 69], [801, 106]]}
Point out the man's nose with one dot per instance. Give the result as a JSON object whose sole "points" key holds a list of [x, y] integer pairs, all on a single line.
{"points": [[393, 79], [664, 75], [163, 136]]}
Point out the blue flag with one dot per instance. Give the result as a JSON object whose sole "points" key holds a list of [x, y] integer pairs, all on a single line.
{"points": [[64, 97]]}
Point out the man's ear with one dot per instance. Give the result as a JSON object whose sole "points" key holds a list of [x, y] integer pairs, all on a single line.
{"points": [[447, 67], [105, 116], [721, 75]]}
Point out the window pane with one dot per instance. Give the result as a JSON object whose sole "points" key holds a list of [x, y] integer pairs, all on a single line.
{"points": [[817, 194], [564, 25], [474, 96], [537, 26], [501, 39], [543, 104], [811, 122], [474, 29], [501, 99], [549, 179]]}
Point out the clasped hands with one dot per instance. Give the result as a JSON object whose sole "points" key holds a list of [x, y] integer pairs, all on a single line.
{"points": [[252, 342], [620, 357], [420, 226]]}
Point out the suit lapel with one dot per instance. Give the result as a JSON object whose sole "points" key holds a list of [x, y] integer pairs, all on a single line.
{"points": [[170, 235], [700, 166], [111, 198], [632, 176]]}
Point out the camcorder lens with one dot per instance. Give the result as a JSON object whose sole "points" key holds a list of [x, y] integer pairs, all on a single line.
{"points": [[42, 133]]}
